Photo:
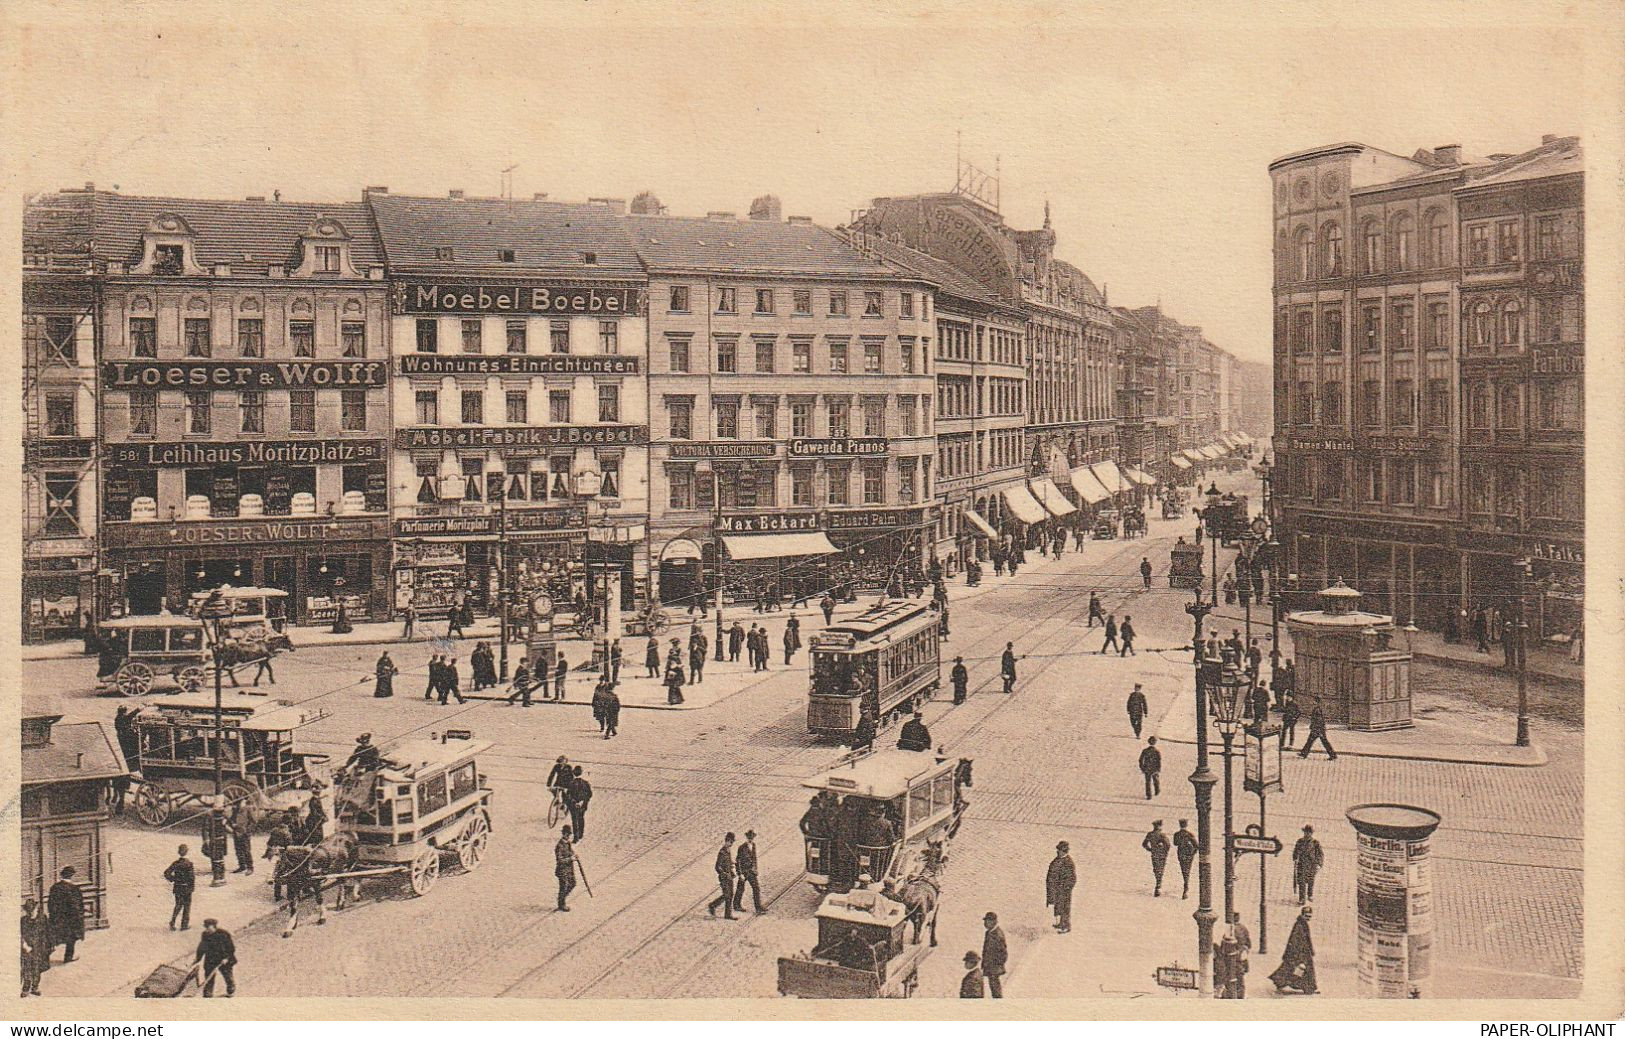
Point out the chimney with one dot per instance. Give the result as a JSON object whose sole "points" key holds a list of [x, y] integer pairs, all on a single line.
{"points": [[719, 216], [375, 189], [540, 196], [1448, 154], [79, 759], [614, 205], [1545, 138], [456, 193], [805, 220], [766, 207]]}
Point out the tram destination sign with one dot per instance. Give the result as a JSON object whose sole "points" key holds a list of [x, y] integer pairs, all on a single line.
{"points": [[438, 297], [243, 375], [518, 364]]}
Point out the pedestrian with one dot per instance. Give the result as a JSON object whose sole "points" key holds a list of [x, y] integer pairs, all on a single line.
{"points": [[651, 657], [1480, 632], [970, 986], [1297, 969], [118, 790], [1137, 709], [792, 638], [1111, 635], [615, 662], [1289, 722], [960, 677], [736, 641], [453, 681], [1126, 632], [522, 684], [1151, 767], [576, 797], [674, 684], [482, 667], [1095, 612], [612, 714], [240, 824], [409, 617], [725, 880], [561, 670], [433, 688], [828, 606], [454, 621], [1007, 668], [214, 843], [1185, 848], [599, 698], [218, 955], [745, 866], [1230, 960], [1198, 534], [66, 904], [383, 676], [182, 878], [995, 954], [1307, 858], [564, 866], [1317, 731], [1145, 572], [1156, 842], [1259, 703], [697, 646], [35, 931], [1255, 660], [942, 623], [1058, 884]]}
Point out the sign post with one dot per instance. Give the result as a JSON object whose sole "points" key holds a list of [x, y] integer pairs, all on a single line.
{"points": [[1394, 898]]}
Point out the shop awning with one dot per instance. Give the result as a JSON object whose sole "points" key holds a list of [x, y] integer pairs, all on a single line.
{"points": [[1110, 477], [1051, 498], [1140, 476], [1213, 451], [1178, 462], [1021, 502], [975, 519], [777, 546], [1087, 486], [1194, 455]]}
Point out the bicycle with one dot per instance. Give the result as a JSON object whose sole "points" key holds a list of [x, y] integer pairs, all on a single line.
{"points": [[556, 810]]}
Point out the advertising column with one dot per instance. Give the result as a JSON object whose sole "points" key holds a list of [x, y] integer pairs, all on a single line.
{"points": [[1394, 898]]}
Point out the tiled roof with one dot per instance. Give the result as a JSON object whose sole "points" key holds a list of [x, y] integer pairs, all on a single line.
{"points": [[761, 246], [948, 277], [248, 235], [1560, 157], [544, 236], [59, 761]]}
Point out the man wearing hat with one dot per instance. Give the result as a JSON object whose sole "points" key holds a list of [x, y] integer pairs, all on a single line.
{"points": [[970, 986], [914, 736], [1058, 885], [36, 946], [960, 677], [1137, 709], [218, 954], [1151, 767], [745, 865], [1307, 858], [725, 880], [1156, 842], [66, 905], [1185, 848], [995, 953]]}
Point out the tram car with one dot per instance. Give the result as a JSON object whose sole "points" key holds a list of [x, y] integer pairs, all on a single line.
{"points": [[1185, 565], [885, 661]]}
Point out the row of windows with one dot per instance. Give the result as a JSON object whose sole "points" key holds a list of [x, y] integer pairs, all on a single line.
{"points": [[1396, 481], [1555, 404], [1487, 243], [757, 486], [837, 302], [198, 412], [766, 358], [988, 449], [1552, 492], [960, 396], [958, 342], [1487, 323], [225, 486], [197, 338], [517, 479], [727, 418], [516, 406], [516, 336], [170, 260]]}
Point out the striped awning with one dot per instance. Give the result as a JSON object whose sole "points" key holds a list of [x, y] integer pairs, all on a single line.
{"points": [[1087, 486], [1110, 477], [982, 526], [1139, 476], [1051, 498], [1179, 462], [1194, 455], [1021, 502]]}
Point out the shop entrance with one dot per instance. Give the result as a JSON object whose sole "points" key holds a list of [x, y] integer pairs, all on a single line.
{"points": [[144, 589]]}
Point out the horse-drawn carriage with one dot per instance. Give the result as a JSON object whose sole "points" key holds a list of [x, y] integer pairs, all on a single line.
{"points": [[1107, 521], [1134, 525], [137, 650], [1173, 503], [176, 747]]}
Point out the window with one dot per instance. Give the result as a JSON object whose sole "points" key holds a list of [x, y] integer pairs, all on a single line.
{"points": [[1481, 328], [1478, 246], [905, 353], [251, 337], [143, 337], [680, 415], [427, 406], [1558, 404], [1371, 402], [60, 415], [327, 259], [1332, 235], [1403, 236], [558, 406], [444, 252], [840, 478], [473, 340], [1374, 479], [679, 354], [872, 304], [609, 403], [1477, 481], [517, 404], [1371, 248], [801, 485], [1404, 402], [1332, 475], [1511, 322], [1507, 240], [199, 419], [1438, 403], [196, 335], [353, 410], [252, 409], [428, 335], [1438, 486], [727, 300], [1332, 325], [1508, 409], [558, 337], [1403, 485], [1508, 492], [905, 481], [837, 357], [1548, 237], [837, 303], [728, 355], [1304, 401], [1438, 239], [764, 355], [764, 301], [1370, 328], [680, 485], [517, 336], [1305, 250], [62, 504], [143, 413], [801, 419], [871, 357], [677, 301], [839, 413], [801, 301], [610, 470], [1404, 327], [905, 304], [1478, 405], [1558, 319], [1438, 326], [473, 411], [874, 418], [767, 420], [301, 411], [1331, 404], [874, 483], [911, 421], [353, 339], [727, 413], [168, 259], [609, 337], [801, 356]]}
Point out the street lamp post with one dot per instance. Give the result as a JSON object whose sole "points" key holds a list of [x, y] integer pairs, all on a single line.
{"points": [[1525, 572], [1202, 780], [1228, 695], [502, 576], [215, 609], [716, 541], [1210, 519]]}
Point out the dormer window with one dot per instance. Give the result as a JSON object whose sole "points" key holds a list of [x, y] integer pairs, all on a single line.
{"points": [[442, 252], [169, 259], [506, 255], [327, 259], [589, 258]]}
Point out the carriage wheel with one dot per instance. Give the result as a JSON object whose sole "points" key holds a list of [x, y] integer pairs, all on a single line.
{"points": [[241, 791], [134, 678], [659, 621], [425, 871], [471, 849], [152, 804], [190, 678]]}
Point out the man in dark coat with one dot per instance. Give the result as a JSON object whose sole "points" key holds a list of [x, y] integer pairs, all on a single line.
{"points": [[240, 825], [827, 604], [315, 819], [792, 638], [1317, 731], [1156, 843], [1007, 669], [726, 873], [1289, 722], [1297, 969], [576, 798], [914, 735], [1058, 885], [696, 658], [36, 946], [523, 684], [182, 877], [995, 954], [1307, 858], [561, 671], [218, 954], [1137, 709], [1127, 633], [745, 865], [1095, 612], [674, 683], [213, 839], [971, 985], [736, 641], [383, 676], [864, 735], [612, 714], [277, 841], [1145, 571], [433, 688], [651, 657], [960, 677], [1185, 848], [1151, 767], [564, 867], [66, 903], [1111, 635]]}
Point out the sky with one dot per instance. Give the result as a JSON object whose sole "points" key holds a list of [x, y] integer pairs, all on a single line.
{"points": [[1147, 128]]}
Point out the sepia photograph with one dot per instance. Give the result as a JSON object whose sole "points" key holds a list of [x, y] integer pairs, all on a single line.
{"points": [[761, 510]]}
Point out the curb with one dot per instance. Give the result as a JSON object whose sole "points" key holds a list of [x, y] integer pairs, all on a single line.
{"points": [[1538, 754]]}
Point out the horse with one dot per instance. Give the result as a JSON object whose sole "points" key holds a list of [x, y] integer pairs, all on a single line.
{"points": [[921, 895], [301, 868]]}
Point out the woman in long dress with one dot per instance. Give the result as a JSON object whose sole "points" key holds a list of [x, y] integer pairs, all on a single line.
{"points": [[1297, 969]]}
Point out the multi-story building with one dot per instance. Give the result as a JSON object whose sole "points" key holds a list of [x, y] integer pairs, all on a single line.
{"points": [[1147, 401], [791, 383], [1252, 409], [244, 414], [59, 415], [1405, 440], [519, 357]]}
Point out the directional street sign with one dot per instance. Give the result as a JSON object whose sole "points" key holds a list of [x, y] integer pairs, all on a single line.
{"points": [[1262, 845]]}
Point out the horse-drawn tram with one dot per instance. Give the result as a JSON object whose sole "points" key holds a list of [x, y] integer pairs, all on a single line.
{"points": [[176, 749], [861, 952], [881, 663]]}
